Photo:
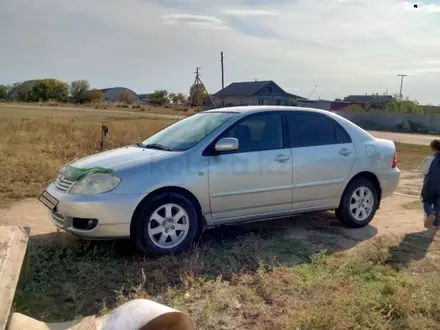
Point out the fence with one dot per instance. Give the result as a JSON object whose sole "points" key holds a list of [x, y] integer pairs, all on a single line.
{"points": [[427, 123]]}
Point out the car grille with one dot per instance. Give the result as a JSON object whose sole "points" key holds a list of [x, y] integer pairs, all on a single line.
{"points": [[62, 184]]}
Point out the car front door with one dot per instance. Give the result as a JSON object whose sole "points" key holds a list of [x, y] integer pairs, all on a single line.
{"points": [[323, 155], [256, 180]]}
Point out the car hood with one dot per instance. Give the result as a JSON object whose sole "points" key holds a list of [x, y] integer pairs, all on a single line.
{"points": [[122, 158]]}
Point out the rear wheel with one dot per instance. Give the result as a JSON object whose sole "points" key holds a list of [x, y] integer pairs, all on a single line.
{"points": [[167, 224], [359, 204]]}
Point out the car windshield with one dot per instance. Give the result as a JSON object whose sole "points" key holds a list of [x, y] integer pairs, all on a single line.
{"points": [[186, 133]]}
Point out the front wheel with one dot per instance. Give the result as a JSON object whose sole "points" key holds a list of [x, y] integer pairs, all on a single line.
{"points": [[167, 224], [359, 204]]}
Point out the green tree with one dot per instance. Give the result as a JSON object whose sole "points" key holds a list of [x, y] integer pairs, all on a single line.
{"points": [[21, 91], [173, 98], [197, 95], [182, 99], [126, 97], [355, 108], [404, 106], [292, 101], [49, 89], [78, 91], [94, 95], [3, 92], [158, 98]]}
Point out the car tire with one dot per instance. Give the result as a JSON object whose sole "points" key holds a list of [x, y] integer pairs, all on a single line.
{"points": [[166, 224], [355, 210]]}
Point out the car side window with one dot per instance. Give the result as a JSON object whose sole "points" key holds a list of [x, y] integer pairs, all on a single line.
{"points": [[308, 130], [257, 133], [341, 135]]}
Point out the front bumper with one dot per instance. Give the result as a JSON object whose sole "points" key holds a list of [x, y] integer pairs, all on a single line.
{"points": [[113, 212]]}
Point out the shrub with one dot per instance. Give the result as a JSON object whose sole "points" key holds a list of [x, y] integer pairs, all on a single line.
{"points": [[355, 108], [412, 127]]}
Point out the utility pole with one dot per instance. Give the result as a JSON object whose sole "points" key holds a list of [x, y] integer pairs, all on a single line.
{"points": [[223, 70], [223, 75], [197, 84], [401, 84]]}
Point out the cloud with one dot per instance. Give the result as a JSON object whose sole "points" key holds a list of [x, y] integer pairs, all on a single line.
{"points": [[344, 46], [248, 12], [194, 20]]}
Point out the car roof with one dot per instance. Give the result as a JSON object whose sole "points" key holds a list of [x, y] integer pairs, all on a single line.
{"points": [[348, 125], [262, 108]]}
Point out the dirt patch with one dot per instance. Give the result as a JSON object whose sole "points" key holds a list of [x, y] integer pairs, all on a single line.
{"points": [[410, 183], [28, 213]]}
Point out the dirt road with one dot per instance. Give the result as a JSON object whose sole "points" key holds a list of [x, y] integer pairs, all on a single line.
{"points": [[405, 138]]}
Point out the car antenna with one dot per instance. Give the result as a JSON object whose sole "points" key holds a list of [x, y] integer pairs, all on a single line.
{"points": [[310, 95]]}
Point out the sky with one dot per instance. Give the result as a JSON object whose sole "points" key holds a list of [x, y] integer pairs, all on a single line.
{"points": [[343, 46]]}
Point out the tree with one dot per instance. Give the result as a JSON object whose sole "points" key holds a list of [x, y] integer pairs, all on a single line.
{"points": [[355, 108], [126, 97], [404, 106], [197, 95], [173, 98], [158, 98], [94, 95], [48, 89], [292, 101], [182, 99], [3, 92], [78, 90]]}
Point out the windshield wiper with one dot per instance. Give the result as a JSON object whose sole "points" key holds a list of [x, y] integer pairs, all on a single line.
{"points": [[140, 144], [156, 146]]}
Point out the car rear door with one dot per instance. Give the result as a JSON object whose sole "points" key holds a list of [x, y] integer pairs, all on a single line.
{"points": [[323, 155]]}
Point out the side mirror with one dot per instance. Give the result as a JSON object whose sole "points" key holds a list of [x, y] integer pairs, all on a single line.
{"points": [[227, 144]]}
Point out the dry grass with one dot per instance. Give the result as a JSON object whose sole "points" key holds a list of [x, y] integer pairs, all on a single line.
{"points": [[252, 281], [409, 156], [32, 149], [264, 282]]}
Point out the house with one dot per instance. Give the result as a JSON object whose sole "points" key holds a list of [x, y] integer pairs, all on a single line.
{"points": [[252, 93], [328, 105], [373, 100], [114, 94]]}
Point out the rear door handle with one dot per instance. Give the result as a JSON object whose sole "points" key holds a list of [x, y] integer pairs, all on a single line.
{"points": [[281, 158], [344, 152]]}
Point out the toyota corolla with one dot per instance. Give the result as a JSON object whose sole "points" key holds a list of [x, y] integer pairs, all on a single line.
{"points": [[220, 167]]}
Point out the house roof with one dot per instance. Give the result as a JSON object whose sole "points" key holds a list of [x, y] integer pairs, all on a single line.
{"points": [[104, 90], [248, 88], [368, 98]]}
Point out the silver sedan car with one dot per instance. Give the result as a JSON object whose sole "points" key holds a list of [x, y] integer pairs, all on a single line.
{"points": [[224, 166]]}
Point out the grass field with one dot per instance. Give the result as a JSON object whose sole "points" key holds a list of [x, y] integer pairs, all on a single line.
{"points": [[253, 281]]}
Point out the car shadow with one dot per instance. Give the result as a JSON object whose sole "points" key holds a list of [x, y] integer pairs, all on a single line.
{"points": [[88, 275], [314, 231]]}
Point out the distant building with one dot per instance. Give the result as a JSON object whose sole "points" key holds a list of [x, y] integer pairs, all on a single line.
{"points": [[327, 104], [373, 100], [112, 94], [252, 93]]}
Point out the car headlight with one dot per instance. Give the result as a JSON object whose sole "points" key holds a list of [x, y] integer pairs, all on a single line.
{"points": [[95, 183]]}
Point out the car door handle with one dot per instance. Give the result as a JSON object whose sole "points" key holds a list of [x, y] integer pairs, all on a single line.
{"points": [[344, 152], [281, 158]]}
